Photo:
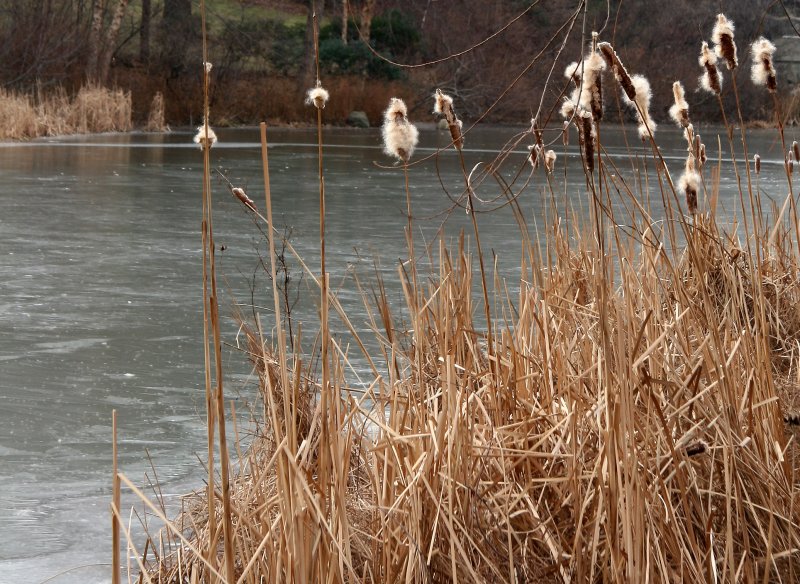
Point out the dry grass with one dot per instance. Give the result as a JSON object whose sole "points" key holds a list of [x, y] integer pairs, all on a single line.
{"points": [[93, 109], [618, 417]]}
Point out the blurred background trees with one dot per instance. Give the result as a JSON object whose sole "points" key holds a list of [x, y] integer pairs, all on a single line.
{"points": [[263, 57]]}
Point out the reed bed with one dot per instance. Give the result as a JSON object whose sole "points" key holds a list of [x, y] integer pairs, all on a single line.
{"points": [[624, 415], [92, 109]]}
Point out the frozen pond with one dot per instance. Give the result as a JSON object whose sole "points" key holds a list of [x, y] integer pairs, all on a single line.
{"points": [[100, 298]]}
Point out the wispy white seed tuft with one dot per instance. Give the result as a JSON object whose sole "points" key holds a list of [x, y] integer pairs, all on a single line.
{"points": [[317, 96], [763, 71], [641, 103], [689, 184], [680, 109], [207, 66], [399, 135], [591, 96], [724, 47], [535, 155], [205, 137], [549, 160]]}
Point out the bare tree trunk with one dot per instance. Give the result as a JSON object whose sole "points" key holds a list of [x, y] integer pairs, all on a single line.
{"points": [[94, 39], [367, 12], [144, 33], [345, 17], [110, 42]]}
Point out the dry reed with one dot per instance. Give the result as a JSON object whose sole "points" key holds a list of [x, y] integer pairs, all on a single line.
{"points": [[93, 109], [623, 423]]}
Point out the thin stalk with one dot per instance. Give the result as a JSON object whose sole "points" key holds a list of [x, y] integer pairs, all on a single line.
{"points": [[213, 308], [115, 505]]}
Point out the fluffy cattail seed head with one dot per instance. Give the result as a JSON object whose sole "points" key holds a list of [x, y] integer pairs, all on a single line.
{"points": [[618, 69], [207, 67], [757, 163], [796, 151], [443, 105], [535, 155], [724, 46], [591, 97], [711, 80], [702, 157], [689, 184], [205, 137], [565, 133], [317, 96], [680, 109], [763, 71], [399, 135], [549, 160], [641, 103]]}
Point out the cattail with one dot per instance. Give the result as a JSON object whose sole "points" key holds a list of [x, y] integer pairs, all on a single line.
{"points": [[242, 196], [618, 69], [591, 97], [535, 155], [565, 133], [207, 66], [790, 166], [573, 72], [680, 109], [724, 47], [796, 151], [696, 145], [399, 135], [696, 448], [641, 102], [711, 80], [689, 183], [763, 71], [549, 160], [702, 158], [443, 105], [205, 137], [568, 108], [587, 133], [757, 163], [317, 96]]}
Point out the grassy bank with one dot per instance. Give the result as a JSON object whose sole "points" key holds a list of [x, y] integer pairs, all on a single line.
{"points": [[625, 414]]}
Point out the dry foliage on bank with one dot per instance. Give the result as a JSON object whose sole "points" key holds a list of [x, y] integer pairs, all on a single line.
{"points": [[93, 109]]}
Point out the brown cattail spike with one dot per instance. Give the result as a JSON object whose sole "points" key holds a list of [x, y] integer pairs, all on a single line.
{"points": [[757, 163], [711, 80], [618, 69], [586, 128], [443, 105], [565, 133], [724, 46]]}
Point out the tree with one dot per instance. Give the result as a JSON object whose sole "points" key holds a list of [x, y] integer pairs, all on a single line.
{"points": [[103, 38]]}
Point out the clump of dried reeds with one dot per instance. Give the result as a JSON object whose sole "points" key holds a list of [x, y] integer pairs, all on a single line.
{"points": [[624, 424], [155, 119], [93, 109]]}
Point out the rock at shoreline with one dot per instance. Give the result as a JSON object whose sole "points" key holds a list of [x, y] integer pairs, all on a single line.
{"points": [[357, 119]]}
